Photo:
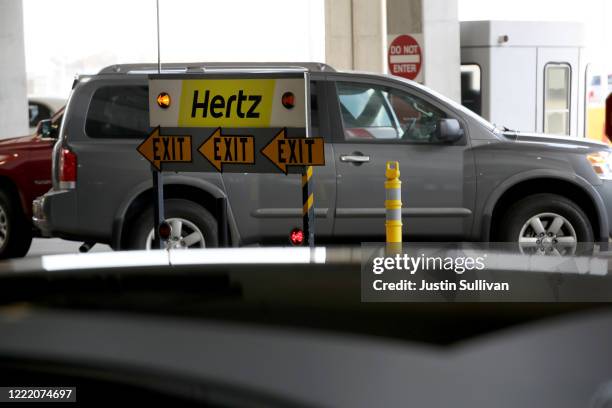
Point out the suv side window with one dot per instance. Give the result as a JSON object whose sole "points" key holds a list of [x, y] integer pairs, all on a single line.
{"points": [[118, 112], [365, 114], [377, 113]]}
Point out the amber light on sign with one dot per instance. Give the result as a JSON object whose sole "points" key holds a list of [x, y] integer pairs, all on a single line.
{"points": [[163, 100]]}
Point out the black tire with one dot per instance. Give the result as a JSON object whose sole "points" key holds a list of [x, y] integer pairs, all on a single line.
{"points": [[141, 227], [18, 229], [520, 212]]}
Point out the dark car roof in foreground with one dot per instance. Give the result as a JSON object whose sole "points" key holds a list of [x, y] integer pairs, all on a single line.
{"points": [[288, 287], [291, 330]]}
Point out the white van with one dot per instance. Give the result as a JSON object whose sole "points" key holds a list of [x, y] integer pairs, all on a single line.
{"points": [[530, 76]]}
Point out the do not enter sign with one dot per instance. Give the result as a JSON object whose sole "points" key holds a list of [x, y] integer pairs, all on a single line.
{"points": [[405, 57]]}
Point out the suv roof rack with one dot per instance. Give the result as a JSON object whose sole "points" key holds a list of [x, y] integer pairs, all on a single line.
{"points": [[195, 67]]}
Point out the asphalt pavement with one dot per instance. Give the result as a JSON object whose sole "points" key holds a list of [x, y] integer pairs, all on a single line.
{"points": [[51, 246]]}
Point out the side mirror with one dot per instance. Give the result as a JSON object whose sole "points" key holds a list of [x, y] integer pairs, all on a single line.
{"points": [[47, 129], [448, 131]]}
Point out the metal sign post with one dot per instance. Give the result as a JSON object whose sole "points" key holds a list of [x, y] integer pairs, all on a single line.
{"points": [[308, 216], [308, 207], [158, 207], [158, 180]]}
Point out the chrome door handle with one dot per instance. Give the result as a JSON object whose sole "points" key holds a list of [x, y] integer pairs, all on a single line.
{"points": [[353, 158]]}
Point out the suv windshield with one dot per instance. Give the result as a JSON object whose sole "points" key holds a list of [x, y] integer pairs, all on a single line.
{"points": [[455, 105]]}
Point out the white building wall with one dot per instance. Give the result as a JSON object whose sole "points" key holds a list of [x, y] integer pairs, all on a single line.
{"points": [[512, 96]]}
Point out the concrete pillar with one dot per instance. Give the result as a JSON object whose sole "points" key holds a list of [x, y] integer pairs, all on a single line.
{"points": [[339, 33], [442, 47], [438, 22], [13, 92], [357, 31], [355, 34], [404, 16], [369, 35]]}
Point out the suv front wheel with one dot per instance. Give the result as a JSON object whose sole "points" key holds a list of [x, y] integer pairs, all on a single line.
{"points": [[546, 223], [192, 227]]}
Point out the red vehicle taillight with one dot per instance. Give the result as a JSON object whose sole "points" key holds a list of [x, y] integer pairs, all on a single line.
{"points": [[68, 169]]}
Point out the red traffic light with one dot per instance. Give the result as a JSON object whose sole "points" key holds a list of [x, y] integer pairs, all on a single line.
{"points": [[296, 237], [288, 100]]}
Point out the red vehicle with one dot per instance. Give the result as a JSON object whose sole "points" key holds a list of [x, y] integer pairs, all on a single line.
{"points": [[25, 173]]}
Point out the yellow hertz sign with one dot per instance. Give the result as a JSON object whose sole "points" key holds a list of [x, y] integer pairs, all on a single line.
{"points": [[228, 103], [222, 103]]}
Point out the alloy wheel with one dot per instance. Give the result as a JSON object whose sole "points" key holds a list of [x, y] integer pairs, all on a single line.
{"points": [[185, 235], [548, 233]]}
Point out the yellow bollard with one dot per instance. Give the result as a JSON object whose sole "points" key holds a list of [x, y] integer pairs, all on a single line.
{"points": [[393, 204]]}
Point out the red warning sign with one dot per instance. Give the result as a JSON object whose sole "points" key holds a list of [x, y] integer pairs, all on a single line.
{"points": [[405, 57]]}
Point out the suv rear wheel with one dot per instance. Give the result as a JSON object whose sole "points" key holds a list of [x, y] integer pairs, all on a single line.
{"points": [[192, 227], [546, 223], [15, 230]]}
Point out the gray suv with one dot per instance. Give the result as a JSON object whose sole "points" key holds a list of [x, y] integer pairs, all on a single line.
{"points": [[463, 179]]}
